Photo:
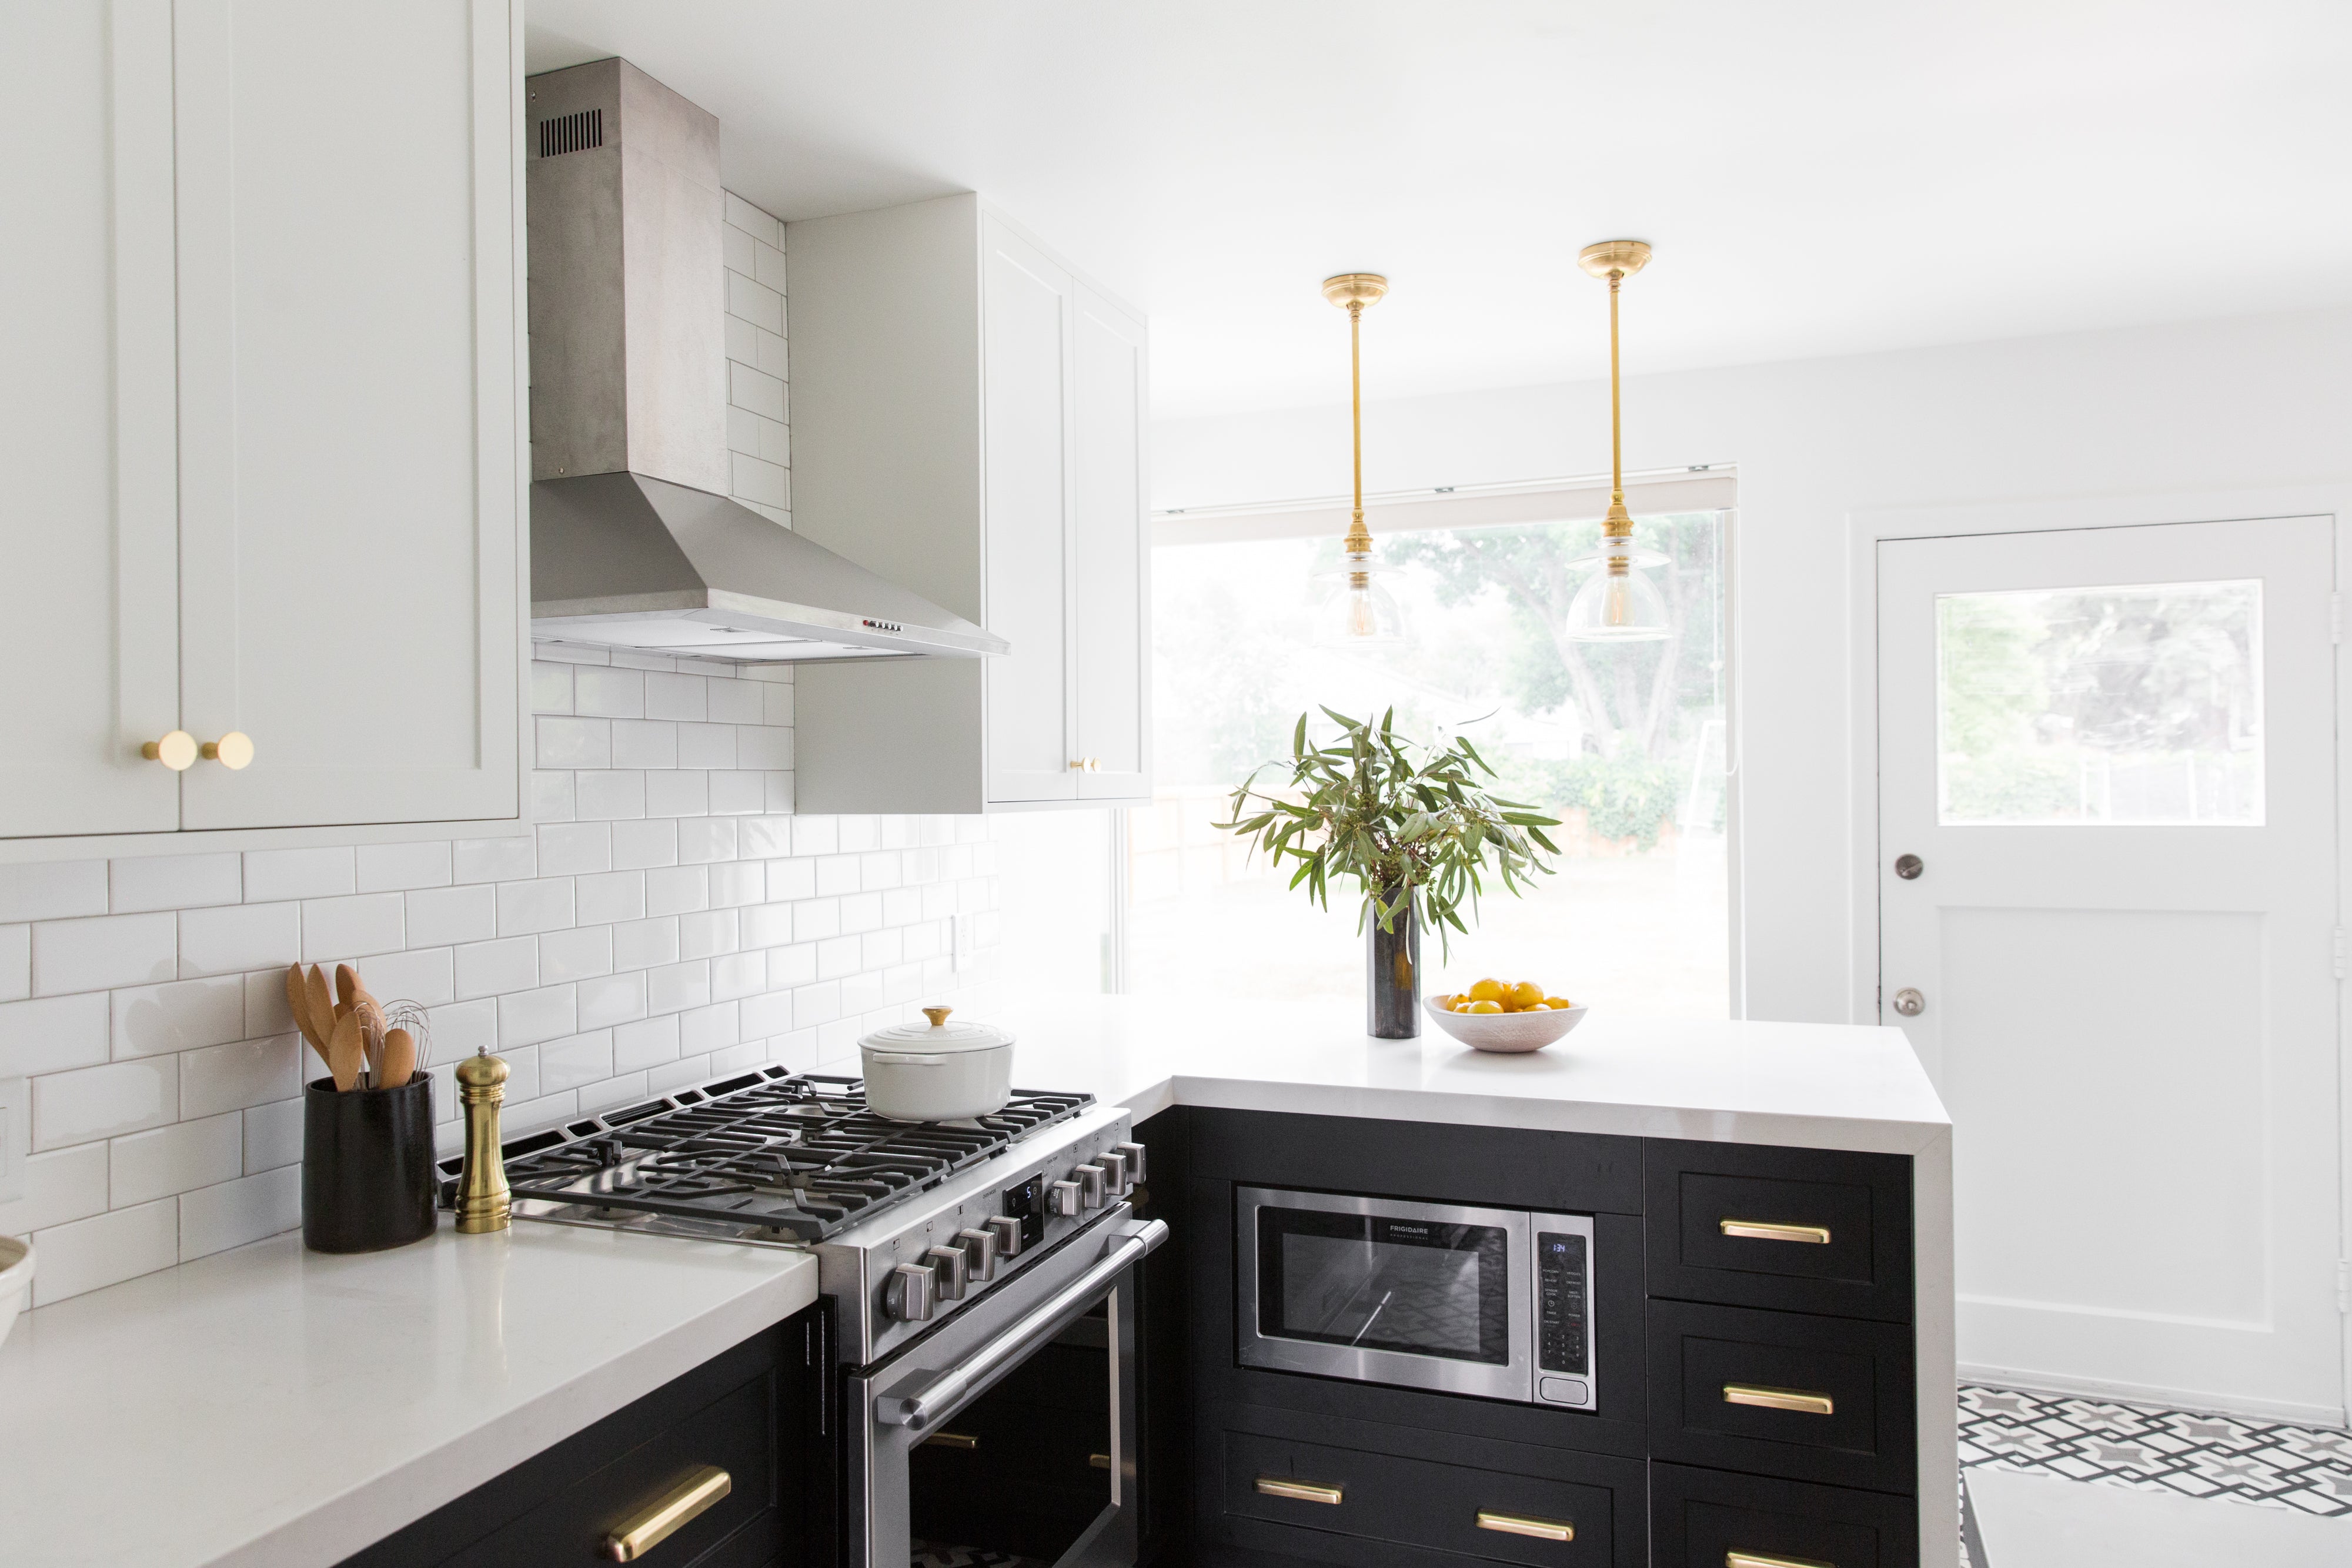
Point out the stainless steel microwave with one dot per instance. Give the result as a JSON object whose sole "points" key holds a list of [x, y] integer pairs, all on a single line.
{"points": [[1489, 1302]]}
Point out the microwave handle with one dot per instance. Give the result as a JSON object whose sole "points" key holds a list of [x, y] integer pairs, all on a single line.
{"points": [[939, 1397]]}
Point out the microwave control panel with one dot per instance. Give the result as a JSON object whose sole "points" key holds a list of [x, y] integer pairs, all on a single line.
{"points": [[1563, 1282]]}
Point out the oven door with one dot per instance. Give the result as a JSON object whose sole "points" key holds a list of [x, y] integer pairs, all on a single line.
{"points": [[1011, 1429], [1381, 1290]]}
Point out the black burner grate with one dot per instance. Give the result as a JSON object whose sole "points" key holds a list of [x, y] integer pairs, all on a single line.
{"points": [[797, 1155]]}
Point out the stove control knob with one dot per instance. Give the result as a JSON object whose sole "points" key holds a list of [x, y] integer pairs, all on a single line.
{"points": [[953, 1268], [1007, 1231], [1062, 1198], [1116, 1179], [1134, 1153], [1091, 1180], [908, 1293], [980, 1252]]}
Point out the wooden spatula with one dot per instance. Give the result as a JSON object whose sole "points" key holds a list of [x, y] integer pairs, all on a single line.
{"points": [[399, 1059], [347, 988], [322, 1006], [345, 1055], [298, 1002]]}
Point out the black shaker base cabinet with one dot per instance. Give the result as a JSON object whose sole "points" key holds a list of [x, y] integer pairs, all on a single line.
{"points": [[751, 1411], [1754, 1313]]}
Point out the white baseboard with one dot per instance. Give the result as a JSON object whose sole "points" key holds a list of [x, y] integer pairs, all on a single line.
{"points": [[2198, 1401]]}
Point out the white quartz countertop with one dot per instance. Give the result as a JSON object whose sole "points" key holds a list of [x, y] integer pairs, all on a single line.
{"points": [[276, 1406], [1833, 1086], [273, 1405]]}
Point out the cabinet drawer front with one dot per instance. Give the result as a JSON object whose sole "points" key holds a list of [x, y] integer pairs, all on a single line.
{"points": [[1799, 1230], [735, 1432], [1703, 1519], [1820, 1399], [1417, 1502]]}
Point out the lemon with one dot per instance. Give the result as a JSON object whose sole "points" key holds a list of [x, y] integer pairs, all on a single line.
{"points": [[1485, 1005], [1526, 994], [1488, 992], [1558, 1003]]}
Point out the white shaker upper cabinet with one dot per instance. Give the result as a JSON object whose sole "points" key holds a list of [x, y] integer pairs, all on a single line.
{"points": [[348, 462], [90, 632], [968, 420]]}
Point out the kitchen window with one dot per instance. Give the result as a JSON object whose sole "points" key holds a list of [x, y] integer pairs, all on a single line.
{"points": [[1627, 743]]}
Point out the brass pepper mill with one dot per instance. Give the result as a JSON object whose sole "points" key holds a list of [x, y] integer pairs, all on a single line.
{"points": [[482, 1201]]}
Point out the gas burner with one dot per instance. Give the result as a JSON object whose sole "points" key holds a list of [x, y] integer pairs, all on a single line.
{"points": [[770, 1153]]}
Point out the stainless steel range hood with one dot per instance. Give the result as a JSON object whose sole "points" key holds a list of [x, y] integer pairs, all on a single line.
{"points": [[634, 543]]}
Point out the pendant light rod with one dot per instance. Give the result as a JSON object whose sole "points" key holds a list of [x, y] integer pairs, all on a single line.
{"points": [[1616, 260], [1354, 290]]}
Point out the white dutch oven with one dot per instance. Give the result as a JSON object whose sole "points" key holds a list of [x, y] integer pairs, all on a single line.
{"points": [[15, 1281], [944, 1072]]}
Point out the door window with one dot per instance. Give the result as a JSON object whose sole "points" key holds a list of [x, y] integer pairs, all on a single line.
{"points": [[2128, 705]]}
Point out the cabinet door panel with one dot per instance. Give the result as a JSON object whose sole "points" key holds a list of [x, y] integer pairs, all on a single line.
{"points": [[1110, 553], [347, 394], [1025, 344], [87, 542]]}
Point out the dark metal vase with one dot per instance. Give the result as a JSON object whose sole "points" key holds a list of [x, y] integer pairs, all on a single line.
{"points": [[367, 1166], [1392, 977]]}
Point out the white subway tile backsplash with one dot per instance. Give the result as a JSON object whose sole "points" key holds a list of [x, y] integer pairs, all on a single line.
{"points": [[644, 743], [609, 897], [614, 998], [273, 1135], [551, 796], [16, 963], [527, 1018], [754, 302], [674, 988], [496, 860], [274, 875], [637, 844], [147, 1165], [734, 975], [248, 1073], [52, 1034], [701, 840], [107, 950], [649, 1042], [677, 1074], [336, 930], [779, 700], [551, 687], [575, 955], [679, 696], [672, 890], [579, 1059], [677, 792], [567, 848], [624, 1090], [240, 937], [424, 975], [215, 1219], [544, 904], [64, 1185], [732, 702], [771, 268], [152, 1021], [393, 868], [608, 796], [52, 889], [174, 882], [707, 745], [104, 1101], [566, 742], [440, 917], [741, 214], [734, 884], [489, 968], [106, 1249], [462, 1028], [644, 943], [706, 933], [735, 248]]}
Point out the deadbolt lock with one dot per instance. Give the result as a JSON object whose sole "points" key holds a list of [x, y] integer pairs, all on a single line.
{"points": [[1908, 867], [1909, 1002]]}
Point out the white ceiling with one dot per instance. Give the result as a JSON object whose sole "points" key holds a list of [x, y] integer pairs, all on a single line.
{"points": [[1819, 176]]}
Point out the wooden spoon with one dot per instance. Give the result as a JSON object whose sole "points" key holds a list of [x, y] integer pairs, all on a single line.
{"points": [[298, 1002], [324, 1016], [399, 1059], [347, 988], [345, 1055]]}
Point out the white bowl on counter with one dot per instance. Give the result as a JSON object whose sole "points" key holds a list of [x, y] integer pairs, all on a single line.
{"points": [[942, 1073], [1505, 1032], [16, 1281]]}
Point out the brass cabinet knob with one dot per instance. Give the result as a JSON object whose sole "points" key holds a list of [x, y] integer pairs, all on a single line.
{"points": [[233, 751], [1086, 764], [175, 751]]}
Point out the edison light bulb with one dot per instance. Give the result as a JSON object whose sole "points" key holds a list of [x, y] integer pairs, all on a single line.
{"points": [[1617, 603], [1360, 610]]}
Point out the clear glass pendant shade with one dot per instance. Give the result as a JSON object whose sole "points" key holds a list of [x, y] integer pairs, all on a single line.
{"points": [[1618, 603], [1357, 610]]}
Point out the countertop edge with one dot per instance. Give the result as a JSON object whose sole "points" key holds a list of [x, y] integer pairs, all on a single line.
{"points": [[370, 1511]]}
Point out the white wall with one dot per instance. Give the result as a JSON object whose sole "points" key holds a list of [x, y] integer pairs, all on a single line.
{"points": [[667, 919], [2243, 403]]}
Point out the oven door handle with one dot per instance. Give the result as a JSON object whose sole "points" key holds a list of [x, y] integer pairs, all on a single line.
{"points": [[942, 1393]]}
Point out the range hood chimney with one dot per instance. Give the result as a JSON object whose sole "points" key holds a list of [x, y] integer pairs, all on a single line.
{"points": [[633, 542]]}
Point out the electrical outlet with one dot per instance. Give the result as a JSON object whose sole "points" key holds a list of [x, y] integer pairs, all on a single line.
{"points": [[965, 945], [15, 1136]]}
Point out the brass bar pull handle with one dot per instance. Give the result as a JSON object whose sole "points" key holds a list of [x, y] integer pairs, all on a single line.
{"points": [[964, 1440], [1802, 1401], [1520, 1524], [1298, 1492], [1765, 1230], [1759, 1560], [667, 1514], [1099, 1461]]}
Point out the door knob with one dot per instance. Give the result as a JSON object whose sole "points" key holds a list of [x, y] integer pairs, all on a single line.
{"points": [[1908, 867], [233, 751], [175, 751], [1909, 1002]]}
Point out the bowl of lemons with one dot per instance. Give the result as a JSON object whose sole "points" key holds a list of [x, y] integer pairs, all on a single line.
{"points": [[1507, 1016]]}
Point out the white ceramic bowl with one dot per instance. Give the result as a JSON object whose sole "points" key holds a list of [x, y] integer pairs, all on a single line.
{"points": [[16, 1281], [946, 1072], [1505, 1032]]}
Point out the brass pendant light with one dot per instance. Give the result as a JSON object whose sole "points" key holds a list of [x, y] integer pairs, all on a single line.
{"points": [[1617, 603], [1360, 611]]}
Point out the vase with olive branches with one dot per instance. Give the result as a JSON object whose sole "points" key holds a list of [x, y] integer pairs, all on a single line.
{"points": [[1411, 823]]}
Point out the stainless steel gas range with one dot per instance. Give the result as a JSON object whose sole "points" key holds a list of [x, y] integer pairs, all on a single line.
{"points": [[979, 1277]]}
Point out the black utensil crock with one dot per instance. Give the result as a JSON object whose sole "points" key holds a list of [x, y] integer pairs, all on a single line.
{"points": [[367, 1166]]}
